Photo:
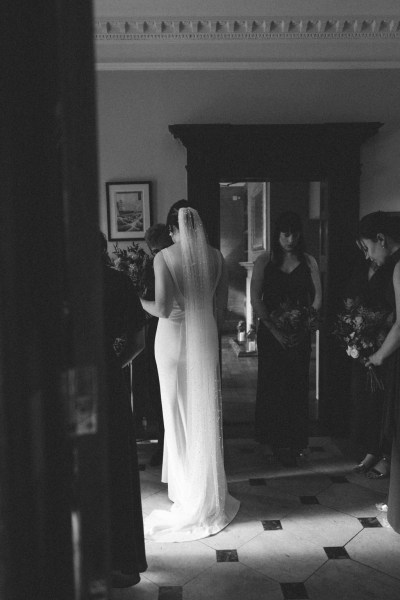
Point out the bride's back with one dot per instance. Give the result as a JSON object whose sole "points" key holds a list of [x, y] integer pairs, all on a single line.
{"points": [[175, 256]]}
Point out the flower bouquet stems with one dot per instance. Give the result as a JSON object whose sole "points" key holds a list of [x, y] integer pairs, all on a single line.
{"points": [[362, 330], [374, 382]]}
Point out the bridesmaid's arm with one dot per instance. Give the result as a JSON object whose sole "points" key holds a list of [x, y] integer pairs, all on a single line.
{"points": [[135, 328], [316, 279], [161, 307], [392, 340]]}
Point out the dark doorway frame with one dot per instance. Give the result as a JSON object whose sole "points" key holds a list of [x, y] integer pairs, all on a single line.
{"points": [[327, 152], [52, 472]]}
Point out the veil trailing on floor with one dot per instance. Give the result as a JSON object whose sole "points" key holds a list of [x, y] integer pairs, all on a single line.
{"points": [[206, 484], [204, 506]]}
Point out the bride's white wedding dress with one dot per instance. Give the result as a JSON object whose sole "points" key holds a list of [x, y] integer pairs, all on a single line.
{"points": [[186, 350]]}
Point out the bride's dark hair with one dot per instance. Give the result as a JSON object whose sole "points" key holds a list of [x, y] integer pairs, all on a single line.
{"points": [[172, 217], [379, 222], [288, 222]]}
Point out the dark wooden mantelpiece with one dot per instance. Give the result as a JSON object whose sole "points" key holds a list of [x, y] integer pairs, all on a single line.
{"points": [[223, 152], [189, 134], [326, 152]]}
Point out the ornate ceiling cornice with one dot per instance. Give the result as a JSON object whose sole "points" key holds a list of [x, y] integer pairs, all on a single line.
{"points": [[251, 28]]}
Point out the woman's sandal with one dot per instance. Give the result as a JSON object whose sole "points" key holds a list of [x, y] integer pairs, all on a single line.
{"points": [[361, 468], [365, 465], [380, 470]]}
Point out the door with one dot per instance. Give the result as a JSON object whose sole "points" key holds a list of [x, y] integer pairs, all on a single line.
{"points": [[52, 466]]}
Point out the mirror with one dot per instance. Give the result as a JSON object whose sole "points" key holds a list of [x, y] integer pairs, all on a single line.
{"points": [[248, 211]]}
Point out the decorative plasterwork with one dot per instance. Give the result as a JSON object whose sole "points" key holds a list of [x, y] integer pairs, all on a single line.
{"points": [[133, 30]]}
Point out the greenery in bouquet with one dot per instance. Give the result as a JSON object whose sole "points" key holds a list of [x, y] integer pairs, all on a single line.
{"points": [[139, 266], [119, 344], [362, 330], [294, 318]]}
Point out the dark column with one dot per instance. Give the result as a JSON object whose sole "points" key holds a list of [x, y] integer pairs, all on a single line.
{"points": [[50, 305]]}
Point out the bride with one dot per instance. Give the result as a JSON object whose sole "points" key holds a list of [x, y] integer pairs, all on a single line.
{"points": [[190, 299]]}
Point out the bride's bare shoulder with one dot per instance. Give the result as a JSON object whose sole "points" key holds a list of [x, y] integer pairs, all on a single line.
{"points": [[173, 250]]}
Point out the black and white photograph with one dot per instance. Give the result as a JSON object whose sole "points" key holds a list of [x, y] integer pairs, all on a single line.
{"points": [[200, 300]]}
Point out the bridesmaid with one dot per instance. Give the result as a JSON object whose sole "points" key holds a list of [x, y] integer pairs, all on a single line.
{"points": [[380, 238], [288, 273], [123, 315], [368, 284]]}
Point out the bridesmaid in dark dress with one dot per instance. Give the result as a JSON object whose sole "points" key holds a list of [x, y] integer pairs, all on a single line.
{"points": [[368, 284], [123, 316], [380, 237], [287, 274]]}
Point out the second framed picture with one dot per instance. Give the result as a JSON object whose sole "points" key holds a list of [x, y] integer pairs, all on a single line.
{"points": [[128, 209]]}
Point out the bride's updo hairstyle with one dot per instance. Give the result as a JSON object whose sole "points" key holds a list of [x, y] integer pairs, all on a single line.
{"points": [[288, 222], [379, 222], [172, 217]]}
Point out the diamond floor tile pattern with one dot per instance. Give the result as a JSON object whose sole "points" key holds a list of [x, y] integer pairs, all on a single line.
{"points": [[331, 547]]}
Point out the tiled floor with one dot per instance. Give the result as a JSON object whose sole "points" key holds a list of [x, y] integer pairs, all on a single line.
{"points": [[306, 531]]}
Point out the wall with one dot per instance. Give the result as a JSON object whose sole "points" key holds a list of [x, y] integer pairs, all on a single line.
{"points": [[380, 180], [135, 109]]}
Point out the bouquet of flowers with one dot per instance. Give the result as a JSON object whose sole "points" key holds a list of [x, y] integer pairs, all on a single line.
{"points": [[294, 318], [139, 266], [362, 331]]}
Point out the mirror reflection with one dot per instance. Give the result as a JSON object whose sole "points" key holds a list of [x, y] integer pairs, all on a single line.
{"points": [[248, 211]]}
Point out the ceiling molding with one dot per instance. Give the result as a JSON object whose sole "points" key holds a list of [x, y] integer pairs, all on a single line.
{"points": [[245, 65], [249, 28]]}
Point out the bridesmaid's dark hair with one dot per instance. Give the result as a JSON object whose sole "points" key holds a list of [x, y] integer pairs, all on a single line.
{"points": [[288, 222], [379, 222], [172, 217]]}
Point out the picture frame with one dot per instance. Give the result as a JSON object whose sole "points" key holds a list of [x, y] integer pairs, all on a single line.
{"points": [[128, 209]]}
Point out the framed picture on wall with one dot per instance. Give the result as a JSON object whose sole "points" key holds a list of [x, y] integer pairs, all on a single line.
{"points": [[128, 209]]}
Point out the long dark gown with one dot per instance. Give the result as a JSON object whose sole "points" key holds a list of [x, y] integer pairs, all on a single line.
{"points": [[153, 381], [367, 407], [392, 415], [122, 305], [146, 386], [281, 416]]}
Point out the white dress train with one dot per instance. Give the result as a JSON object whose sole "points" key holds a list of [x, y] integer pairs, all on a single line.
{"points": [[193, 447]]}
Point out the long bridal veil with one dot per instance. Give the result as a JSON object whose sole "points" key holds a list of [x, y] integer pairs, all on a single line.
{"points": [[204, 506], [206, 485]]}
